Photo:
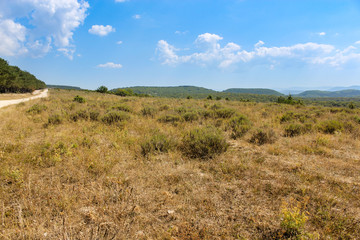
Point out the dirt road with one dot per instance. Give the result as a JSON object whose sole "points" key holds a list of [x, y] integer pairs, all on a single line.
{"points": [[37, 94]]}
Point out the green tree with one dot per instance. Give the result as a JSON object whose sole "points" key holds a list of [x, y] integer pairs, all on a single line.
{"points": [[102, 89]]}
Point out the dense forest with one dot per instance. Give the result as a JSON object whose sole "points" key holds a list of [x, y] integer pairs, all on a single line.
{"points": [[13, 79], [261, 91]]}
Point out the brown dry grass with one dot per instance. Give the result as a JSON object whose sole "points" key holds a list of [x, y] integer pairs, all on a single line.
{"points": [[89, 180], [11, 96]]}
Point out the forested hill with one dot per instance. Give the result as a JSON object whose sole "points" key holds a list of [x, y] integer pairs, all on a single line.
{"points": [[261, 91], [173, 92], [13, 79], [317, 93]]}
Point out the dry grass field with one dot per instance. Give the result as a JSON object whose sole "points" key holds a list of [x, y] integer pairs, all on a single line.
{"points": [[11, 96], [151, 168]]}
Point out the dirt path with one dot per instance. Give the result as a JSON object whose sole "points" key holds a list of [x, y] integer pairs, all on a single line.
{"points": [[38, 94]]}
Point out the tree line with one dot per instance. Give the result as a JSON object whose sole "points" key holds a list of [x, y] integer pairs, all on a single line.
{"points": [[15, 80]]}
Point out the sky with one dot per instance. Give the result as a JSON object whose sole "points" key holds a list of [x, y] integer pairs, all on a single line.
{"points": [[217, 44]]}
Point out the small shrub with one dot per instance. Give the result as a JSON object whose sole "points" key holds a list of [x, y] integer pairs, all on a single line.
{"points": [[224, 113], [102, 89], [114, 117], [293, 221], [357, 119], [122, 107], [148, 111], [164, 107], [81, 114], [239, 125], [55, 119], [190, 116], [218, 98], [287, 117], [156, 143], [79, 99], [94, 116], [169, 119], [293, 130], [330, 126], [203, 143], [209, 97], [216, 106], [261, 137], [36, 109]]}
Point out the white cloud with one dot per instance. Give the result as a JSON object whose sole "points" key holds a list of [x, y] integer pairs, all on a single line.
{"points": [[101, 30], [210, 52], [357, 42], [121, 1], [52, 23], [137, 16], [12, 38], [110, 65], [322, 33], [119, 42]]}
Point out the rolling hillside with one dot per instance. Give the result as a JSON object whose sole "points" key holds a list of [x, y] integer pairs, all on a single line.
{"points": [[342, 93], [261, 91]]}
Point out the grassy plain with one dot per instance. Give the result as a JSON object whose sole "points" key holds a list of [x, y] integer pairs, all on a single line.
{"points": [[155, 168]]}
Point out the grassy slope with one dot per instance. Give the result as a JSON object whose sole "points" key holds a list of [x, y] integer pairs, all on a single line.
{"points": [[86, 178]]}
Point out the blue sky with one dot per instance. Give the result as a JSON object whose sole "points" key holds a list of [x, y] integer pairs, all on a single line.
{"points": [[216, 44]]}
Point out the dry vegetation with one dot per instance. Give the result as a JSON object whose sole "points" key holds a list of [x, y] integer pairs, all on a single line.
{"points": [[11, 96], [112, 167]]}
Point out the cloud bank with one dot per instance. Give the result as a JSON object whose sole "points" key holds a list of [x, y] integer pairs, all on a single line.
{"points": [[45, 24], [208, 51]]}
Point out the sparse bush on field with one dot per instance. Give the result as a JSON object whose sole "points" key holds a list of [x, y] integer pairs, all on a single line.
{"points": [[218, 98], [216, 106], [181, 110], [79, 115], [164, 107], [156, 143], [169, 118], [122, 107], [293, 130], [330, 126], [102, 89], [37, 109], [148, 111], [55, 119], [293, 220], [79, 99], [114, 117], [94, 116], [203, 143], [263, 136], [224, 113], [357, 119], [239, 125], [190, 116]]}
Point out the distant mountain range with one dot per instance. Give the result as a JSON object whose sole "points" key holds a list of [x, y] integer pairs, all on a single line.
{"points": [[62, 87], [199, 92]]}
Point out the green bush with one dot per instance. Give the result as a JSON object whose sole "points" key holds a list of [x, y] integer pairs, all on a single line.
{"points": [[102, 89], [114, 117], [36, 109], [330, 126], [293, 130], [81, 114], [79, 99], [94, 116], [148, 111], [55, 119], [156, 143], [122, 107], [357, 119], [224, 113], [263, 136], [239, 125], [169, 119], [203, 143], [190, 116]]}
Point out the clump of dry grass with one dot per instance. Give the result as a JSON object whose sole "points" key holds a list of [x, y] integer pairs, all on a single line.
{"points": [[71, 170]]}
